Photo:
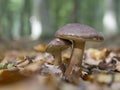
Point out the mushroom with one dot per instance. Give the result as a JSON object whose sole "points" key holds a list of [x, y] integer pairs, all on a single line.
{"points": [[55, 47], [79, 34]]}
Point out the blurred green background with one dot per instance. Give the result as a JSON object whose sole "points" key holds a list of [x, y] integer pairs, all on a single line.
{"points": [[39, 19]]}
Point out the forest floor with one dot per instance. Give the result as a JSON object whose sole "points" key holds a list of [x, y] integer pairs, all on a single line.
{"points": [[24, 65]]}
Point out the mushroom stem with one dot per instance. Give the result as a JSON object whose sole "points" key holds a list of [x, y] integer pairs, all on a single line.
{"points": [[77, 56], [57, 57]]}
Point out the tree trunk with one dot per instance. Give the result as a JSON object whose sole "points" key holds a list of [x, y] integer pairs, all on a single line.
{"points": [[117, 13], [10, 26], [45, 19], [76, 10]]}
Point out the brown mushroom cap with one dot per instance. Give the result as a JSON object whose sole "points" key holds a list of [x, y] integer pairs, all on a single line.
{"points": [[57, 44], [75, 31]]}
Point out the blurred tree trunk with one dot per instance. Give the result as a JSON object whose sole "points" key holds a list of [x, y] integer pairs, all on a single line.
{"points": [[117, 13], [21, 24], [44, 12], [9, 20], [57, 14], [1, 19], [76, 11], [25, 28], [10, 25], [95, 14], [99, 14], [28, 9], [3, 23]]}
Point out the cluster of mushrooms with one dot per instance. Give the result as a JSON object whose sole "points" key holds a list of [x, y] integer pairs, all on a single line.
{"points": [[72, 35]]}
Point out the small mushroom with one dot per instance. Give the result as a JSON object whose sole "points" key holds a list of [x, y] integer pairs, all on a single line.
{"points": [[79, 34], [55, 47]]}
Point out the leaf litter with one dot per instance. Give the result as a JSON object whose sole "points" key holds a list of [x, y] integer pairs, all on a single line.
{"points": [[35, 70]]}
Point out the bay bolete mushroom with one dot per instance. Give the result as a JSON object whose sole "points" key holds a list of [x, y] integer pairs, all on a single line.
{"points": [[55, 47], [79, 34]]}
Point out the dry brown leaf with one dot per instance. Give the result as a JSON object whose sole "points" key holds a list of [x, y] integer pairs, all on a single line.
{"points": [[9, 76], [33, 68], [98, 54], [40, 47]]}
